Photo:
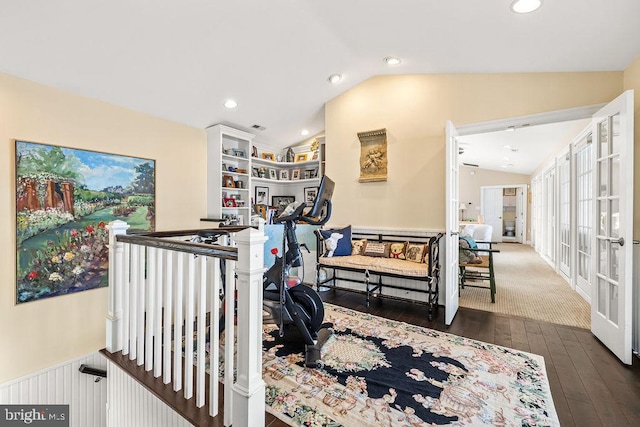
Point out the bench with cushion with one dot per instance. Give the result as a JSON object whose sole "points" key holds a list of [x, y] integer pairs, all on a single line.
{"points": [[377, 256]]}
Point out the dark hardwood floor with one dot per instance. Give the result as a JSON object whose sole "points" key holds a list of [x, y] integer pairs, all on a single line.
{"points": [[590, 387]]}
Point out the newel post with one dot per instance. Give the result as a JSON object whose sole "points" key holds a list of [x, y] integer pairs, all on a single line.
{"points": [[249, 388], [114, 313]]}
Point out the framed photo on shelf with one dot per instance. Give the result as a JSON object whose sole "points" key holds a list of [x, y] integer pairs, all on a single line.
{"points": [[262, 211], [310, 194], [229, 202], [315, 156], [281, 202], [227, 181], [273, 174], [254, 151], [268, 156], [314, 173], [239, 153], [262, 195], [254, 172], [301, 157], [284, 174], [295, 174]]}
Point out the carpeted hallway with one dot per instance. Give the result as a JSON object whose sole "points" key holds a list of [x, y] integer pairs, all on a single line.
{"points": [[527, 286]]}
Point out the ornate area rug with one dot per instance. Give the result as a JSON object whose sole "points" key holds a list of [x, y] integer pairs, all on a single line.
{"points": [[388, 373]]}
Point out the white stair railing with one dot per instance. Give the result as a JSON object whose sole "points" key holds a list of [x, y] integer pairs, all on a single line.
{"points": [[163, 288]]}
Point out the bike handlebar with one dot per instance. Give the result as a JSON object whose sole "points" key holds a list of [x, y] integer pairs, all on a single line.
{"points": [[297, 215]]}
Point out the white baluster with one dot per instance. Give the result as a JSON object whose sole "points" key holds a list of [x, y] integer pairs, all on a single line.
{"points": [[168, 315], [177, 325], [202, 332], [214, 334], [114, 313], [249, 388], [126, 294], [151, 308], [142, 252], [157, 322], [133, 302], [189, 319]]}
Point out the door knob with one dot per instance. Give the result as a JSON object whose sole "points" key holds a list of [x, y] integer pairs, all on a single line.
{"points": [[619, 241]]}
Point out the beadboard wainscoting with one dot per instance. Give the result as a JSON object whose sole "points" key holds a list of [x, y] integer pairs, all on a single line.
{"points": [[132, 405], [64, 384]]}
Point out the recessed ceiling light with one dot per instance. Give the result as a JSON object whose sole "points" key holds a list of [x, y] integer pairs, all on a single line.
{"points": [[510, 129], [392, 60], [507, 147], [525, 6], [304, 132], [334, 78], [230, 103]]}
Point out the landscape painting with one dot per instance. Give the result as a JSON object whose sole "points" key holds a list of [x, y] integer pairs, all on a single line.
{"points": [[65, 197]]}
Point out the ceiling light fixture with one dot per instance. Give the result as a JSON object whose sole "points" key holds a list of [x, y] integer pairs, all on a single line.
{"points": [[334, 78], [304, 132], [525, 6], [392, 60], [510, 129], [230, 103]]}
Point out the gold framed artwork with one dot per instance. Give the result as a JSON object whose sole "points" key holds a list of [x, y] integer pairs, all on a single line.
{"points": [[268, 156], [509, 192], [373, 155], [301, 157]]}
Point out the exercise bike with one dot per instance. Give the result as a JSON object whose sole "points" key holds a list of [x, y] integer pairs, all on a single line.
{"points": [[296, 308]]}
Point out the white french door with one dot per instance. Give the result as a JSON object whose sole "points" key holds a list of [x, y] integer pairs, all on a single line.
{"points": [[492, 208], [582, 155], [613, 225], [521, 215], [564, 213], [452, 225], [549, 215]]}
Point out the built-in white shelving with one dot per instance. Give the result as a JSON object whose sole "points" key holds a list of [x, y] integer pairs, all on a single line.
{"points": [[233, 173]]}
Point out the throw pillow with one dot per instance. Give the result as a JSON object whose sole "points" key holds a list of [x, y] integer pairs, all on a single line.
{"points": [[357, 246], [337, 242], [376, 249], [472, 243], [397, 250], [415, 252]]}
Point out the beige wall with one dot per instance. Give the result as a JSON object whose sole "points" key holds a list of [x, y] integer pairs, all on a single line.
{"points": [[39, 334], [632, 81], [414, 109]]}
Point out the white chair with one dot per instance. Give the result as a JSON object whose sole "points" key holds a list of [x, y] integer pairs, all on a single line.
{"points": [[481, 233]]}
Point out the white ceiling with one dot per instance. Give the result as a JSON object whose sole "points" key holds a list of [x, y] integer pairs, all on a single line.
{"points": [[182, 59], [521, 151]]}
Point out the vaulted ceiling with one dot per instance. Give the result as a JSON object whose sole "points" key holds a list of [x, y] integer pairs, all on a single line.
{"points": [[182, 60]]}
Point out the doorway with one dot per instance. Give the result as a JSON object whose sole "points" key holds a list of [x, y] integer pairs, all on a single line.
{"points": [[611, 268]]}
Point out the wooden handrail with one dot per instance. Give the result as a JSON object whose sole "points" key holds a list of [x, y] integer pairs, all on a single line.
{"points": [[203, 249]]}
